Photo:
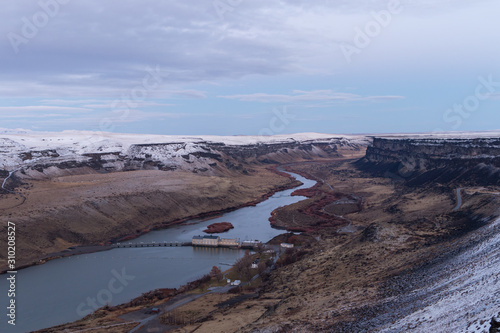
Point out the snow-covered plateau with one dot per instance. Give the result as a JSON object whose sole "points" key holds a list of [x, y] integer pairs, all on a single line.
{"points": [[114, 152]]}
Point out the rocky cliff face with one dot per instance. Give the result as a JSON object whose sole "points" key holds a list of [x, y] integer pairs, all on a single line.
{"points": [[419, 160], [72, 156]]}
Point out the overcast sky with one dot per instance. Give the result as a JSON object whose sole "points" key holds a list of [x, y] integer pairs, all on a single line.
{"points": [[250, 66]]}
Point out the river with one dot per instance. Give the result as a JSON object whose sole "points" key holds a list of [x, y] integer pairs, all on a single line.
{"points": [[67, 289]]}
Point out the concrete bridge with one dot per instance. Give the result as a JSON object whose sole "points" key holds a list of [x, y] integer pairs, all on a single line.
{"points": [[150, 244]]}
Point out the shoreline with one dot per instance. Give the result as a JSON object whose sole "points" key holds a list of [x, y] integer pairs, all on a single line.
{"points": [[216, 213], [106, 245]]}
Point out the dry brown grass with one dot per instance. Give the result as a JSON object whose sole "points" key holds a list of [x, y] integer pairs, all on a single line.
{"points": [[228, 320], [94, 208]]}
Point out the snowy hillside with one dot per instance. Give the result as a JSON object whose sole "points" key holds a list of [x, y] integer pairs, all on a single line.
{"points": [[457, 292], [20, 148], [113, 151]]}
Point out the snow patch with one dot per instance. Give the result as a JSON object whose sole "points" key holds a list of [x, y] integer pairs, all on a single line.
{"points": [[466, 296]]}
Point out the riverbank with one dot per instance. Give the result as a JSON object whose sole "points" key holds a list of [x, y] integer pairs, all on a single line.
{"points": [[145, 268], [224, 194], [216, 213]]}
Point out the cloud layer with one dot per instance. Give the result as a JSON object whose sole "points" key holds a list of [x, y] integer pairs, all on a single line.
{"points": [[212, 55]]}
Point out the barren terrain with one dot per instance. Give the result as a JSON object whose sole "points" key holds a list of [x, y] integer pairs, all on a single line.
{"points": [[345, 282], [95, 208], [358, 279]]}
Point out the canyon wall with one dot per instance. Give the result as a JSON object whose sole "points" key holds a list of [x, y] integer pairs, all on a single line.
{"points": [[424, 160], [205, 157]]}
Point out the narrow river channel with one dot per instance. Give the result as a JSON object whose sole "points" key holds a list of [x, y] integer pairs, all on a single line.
{"points": [[67, 289]]}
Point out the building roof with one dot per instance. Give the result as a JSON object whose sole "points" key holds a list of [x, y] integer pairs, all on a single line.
{"points": [[205, 237], [211, 237]]}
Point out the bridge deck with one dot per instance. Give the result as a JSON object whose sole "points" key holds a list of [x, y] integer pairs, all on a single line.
{"points": [[153, 244]]}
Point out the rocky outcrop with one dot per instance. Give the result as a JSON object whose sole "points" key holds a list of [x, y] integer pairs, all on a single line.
{"points": [[495, 325], [423, 160], [431, 153]]}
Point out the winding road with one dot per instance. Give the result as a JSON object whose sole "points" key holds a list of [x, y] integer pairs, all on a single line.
{"points": [[323, 181], [5, 181], [13, 192], [459, 199]]}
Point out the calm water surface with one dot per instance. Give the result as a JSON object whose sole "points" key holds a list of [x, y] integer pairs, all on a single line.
{"points": [[67, 289]]}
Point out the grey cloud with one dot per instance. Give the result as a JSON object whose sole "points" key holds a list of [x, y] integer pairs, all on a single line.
{"points": [[98, 48], [37, 108], [308, 96]]}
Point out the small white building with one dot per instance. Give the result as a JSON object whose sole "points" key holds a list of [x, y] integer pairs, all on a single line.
{"points": [[286, 245], [251, 243]]}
